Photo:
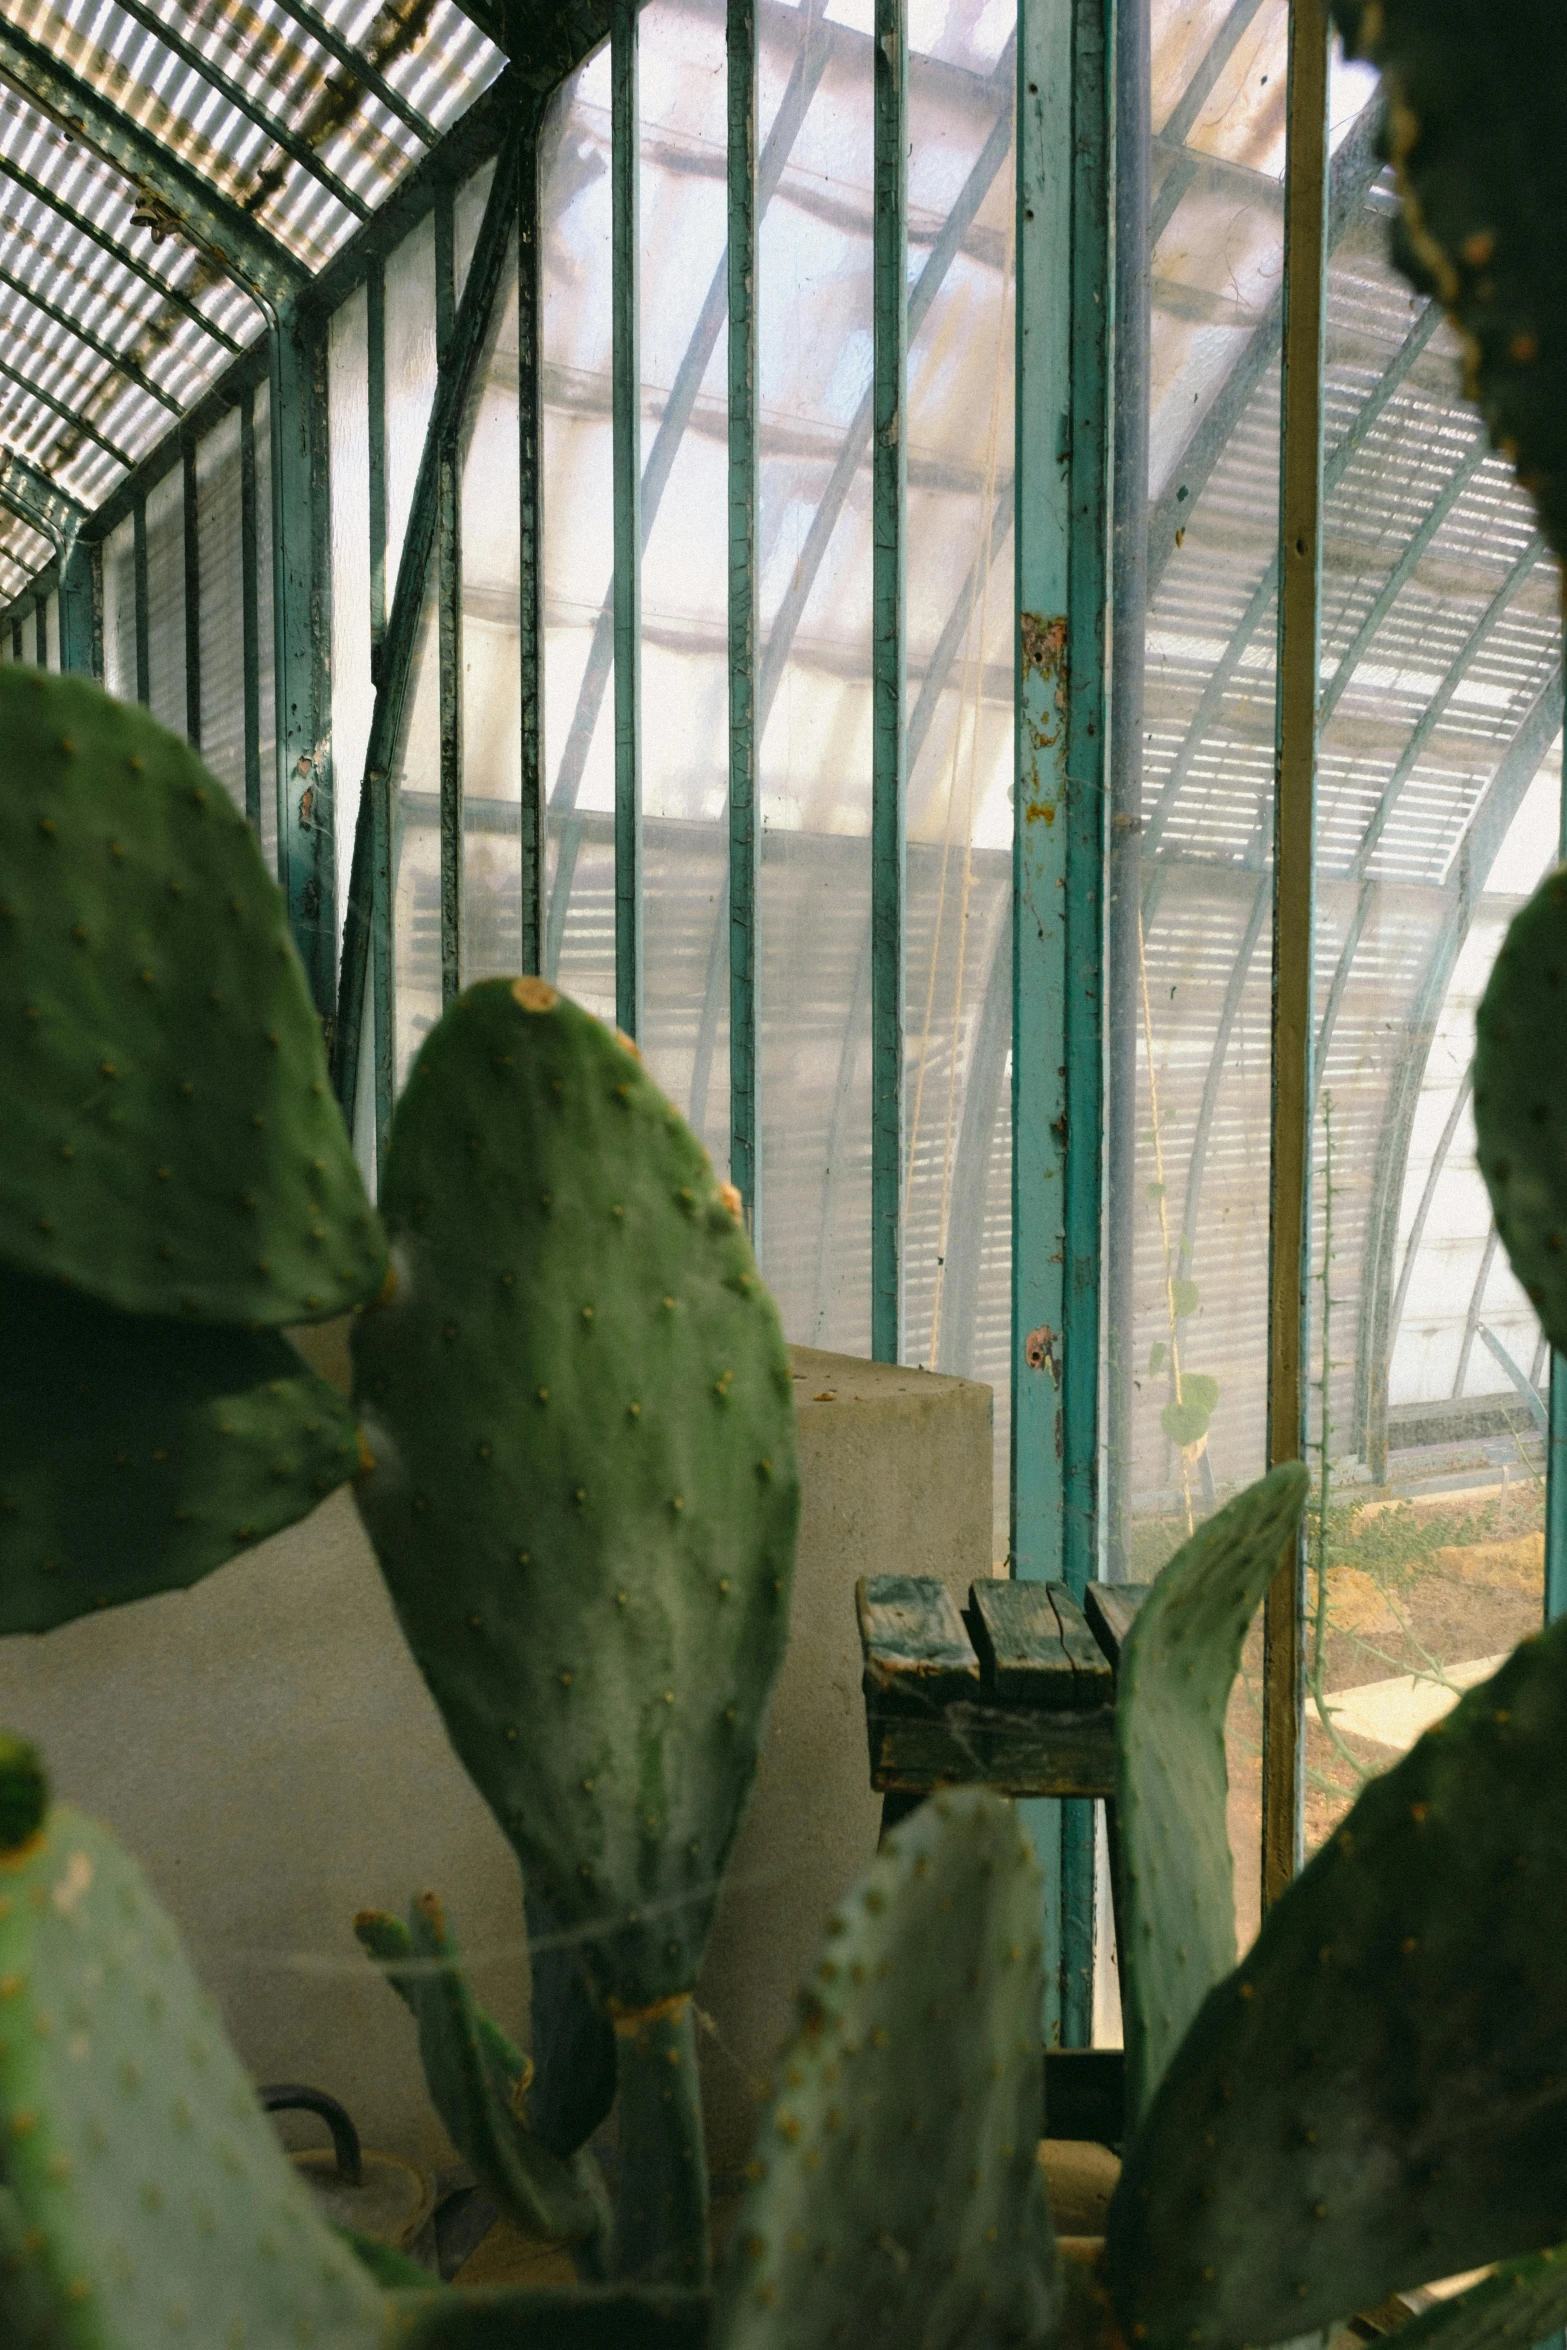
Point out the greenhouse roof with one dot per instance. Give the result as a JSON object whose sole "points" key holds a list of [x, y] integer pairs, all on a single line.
{"points": [[171, 176]]}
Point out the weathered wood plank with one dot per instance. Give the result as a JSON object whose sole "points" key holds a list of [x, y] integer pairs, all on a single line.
{"points": [[1017, 1638], [1090, 1665], [917, 1653], [1024, 1751], [1111, 1609]]}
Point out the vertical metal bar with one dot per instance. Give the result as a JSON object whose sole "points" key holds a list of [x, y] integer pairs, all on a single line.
{"points": [[448, 611], [80, 648], [626, 371], [1041, 549], [1133, 143], [889, 661], [744, 831], [1086, 816], [1556, 1443], [302, 632], [250, 606], [190, 517], [41, 631], [530, 427], [1300, 581], [139, 599], [375, 370]]}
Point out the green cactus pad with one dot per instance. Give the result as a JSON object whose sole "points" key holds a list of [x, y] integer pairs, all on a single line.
{"points": [[1475, 105], [167, 1138], [620, 2318], [477, 2080], [578, 1401], [149, 2200], [1520, 1099], [1176, 1882], [896, 2194], [1523, 2303], [573, 2047], [1378, 2096], [136, 1455]]}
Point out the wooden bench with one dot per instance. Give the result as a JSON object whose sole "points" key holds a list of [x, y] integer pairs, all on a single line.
{"points": [[1016, 1691]]}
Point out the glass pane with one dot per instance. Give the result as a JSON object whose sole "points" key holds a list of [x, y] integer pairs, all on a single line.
{"points": [[492, 655], [1440, 793], [119, 611], [353, 695], [166, 601]]}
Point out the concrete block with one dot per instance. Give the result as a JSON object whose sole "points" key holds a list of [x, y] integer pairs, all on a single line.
{"points": [[266, 1747]]}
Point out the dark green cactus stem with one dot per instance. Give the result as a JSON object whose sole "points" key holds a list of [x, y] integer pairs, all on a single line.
{"points": [[895, 2194], [1378, 2096], [1175, 1876], [661, 2190], [146, 2198], [136, 1455], [1476, 100], [1519, 1100], [24, 1793], [617, 2319], [478, 2083], [168, 1142], [573, 2044]]}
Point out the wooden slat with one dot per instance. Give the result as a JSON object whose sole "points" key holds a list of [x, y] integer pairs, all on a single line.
{"points": [[1018, 1751], [917, 1652], [1110, 1609], [1090, 1665], [1017, 1637]]}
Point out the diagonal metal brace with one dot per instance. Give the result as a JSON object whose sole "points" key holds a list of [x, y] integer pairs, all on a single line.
{"points": [[180, 199], [369, 887]]}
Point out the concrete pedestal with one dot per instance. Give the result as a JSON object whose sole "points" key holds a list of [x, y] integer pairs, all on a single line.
{"points": [[266, 1747]]}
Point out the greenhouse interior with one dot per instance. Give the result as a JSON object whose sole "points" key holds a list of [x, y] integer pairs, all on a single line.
{"points": [[593, 482]]}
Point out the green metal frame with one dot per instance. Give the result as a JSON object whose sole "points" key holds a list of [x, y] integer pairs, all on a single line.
{"points": [[121, 363], [744, 612], [889, 660], [117, 252], [362, 69], [302, 647], [1061, 801], [626, 462]]}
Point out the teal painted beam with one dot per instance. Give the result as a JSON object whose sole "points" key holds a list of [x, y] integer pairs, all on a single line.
{"points": [[81, 612], [67, 414], [362, 70], [250, 606], [38, 500], [191, 205], [626, 435], [375, 372], [1556, 1443], [448, 621], [118, 252], [302, 640], [744, 614], [367, 930], [889, 664], [121, 362], [1060, 799], [530, 614]]}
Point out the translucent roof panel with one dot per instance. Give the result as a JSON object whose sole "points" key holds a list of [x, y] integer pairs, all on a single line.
{"points": [[301, 116]]}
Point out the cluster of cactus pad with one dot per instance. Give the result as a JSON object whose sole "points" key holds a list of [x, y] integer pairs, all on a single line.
{"points": [[572, 1445]]}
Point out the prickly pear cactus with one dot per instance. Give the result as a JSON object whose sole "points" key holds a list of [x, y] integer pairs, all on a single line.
{"points": [[1378, 2096], [648, 2318], [136, 1455], [1475, 104], [478, 2080], [896, 2193], [577, 1400], [146, 2198], [1176, 1885], [168, 1142], [1520, 1111]]}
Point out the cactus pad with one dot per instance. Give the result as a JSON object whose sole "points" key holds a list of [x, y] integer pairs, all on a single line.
{"points": [[167, 1139], [578, 1403], [1522, 2303], [1378, 2096], [477, 2080], [617, 2319], [136, 1455], [573, 2049], [1520, 1099], [896, 2194], [1475, 104], [1176, 1886], [147, 2199]]}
